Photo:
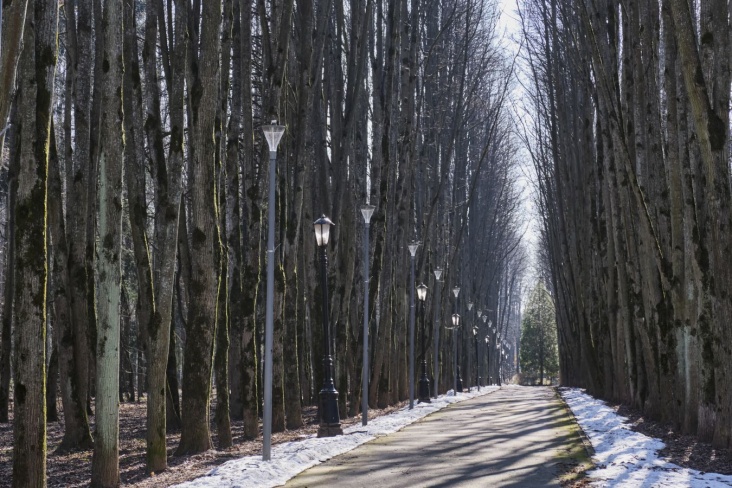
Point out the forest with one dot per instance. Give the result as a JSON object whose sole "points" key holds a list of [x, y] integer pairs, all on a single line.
{"points": [[631, 148], [135, 215]]}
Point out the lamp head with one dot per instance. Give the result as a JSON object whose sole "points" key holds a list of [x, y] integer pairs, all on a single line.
{"points": [[485, 317], [322, 230], [455, 320], [367, 211], [470, 305], [422, 292], [413, 248], [438, 273], [455, 291], [480, 312], [475, 330], [273, 133]]}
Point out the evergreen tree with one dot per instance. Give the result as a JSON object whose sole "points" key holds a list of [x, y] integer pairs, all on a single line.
{"points": [[539, 354]]}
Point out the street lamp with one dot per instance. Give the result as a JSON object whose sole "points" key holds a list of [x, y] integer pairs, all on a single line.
{"points": [[436, 328], [424, 382], [477, 364], [367, 211], [273, 134], [470, 307], [457, 382], [488, 349], [330, 423], [413, 252]]}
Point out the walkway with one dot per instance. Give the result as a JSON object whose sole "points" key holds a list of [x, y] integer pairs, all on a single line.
{"points": [[508, 438]]}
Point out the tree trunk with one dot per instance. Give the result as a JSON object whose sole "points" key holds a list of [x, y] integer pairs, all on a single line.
{"points": [[13, 18], [251, 234], [204, 285], [105, 462], [80, 59], [37, 68], [9, 273]]}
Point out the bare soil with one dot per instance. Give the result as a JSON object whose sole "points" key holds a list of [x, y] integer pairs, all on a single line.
{"points": [[71, 470]]}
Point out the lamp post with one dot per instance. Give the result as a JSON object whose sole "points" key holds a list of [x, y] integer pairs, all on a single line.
{"points": [[366, 210], [273, 134], [488, 351], [413, 252], [424, 382], [436, 329], [455, 360], [330, 423], [477, 352], [467, 365], [477, 364], [456, 372]]}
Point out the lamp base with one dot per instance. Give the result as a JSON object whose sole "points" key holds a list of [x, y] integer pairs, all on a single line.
{"points": [[329, 430], [424, 390]]}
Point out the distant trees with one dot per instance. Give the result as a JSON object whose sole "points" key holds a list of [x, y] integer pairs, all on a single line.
{"points": [[631, 146], [156, 205], [538, 351]]}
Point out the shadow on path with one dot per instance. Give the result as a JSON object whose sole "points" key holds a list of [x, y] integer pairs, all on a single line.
{"points": [[508, 438]]}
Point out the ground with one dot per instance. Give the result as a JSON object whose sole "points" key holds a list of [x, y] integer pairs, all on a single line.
{"points": [[74, 469]]}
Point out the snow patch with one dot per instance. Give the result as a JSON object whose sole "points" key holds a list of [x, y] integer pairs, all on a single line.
{"points": [[624, 458]]}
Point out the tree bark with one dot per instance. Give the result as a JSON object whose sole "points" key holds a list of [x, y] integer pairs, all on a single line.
{"points": [[204, 285], [105, 461], [37, 68]]}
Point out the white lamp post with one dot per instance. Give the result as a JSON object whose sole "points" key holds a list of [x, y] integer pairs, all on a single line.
{"points": [[436, 329], [273, 135], [367, 211], [412, 252]]}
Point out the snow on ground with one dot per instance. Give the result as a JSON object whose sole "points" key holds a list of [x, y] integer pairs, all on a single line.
{"points": [[291, 458], [629, 459]]}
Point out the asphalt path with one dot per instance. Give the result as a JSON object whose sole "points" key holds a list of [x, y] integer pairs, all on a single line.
{"points": [[511, 437]]}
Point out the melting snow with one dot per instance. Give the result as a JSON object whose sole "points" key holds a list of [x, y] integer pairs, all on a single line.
{"points": [[629, 459]]}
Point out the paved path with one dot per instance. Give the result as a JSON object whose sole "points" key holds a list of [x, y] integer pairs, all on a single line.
{"points": [[507, 438]]}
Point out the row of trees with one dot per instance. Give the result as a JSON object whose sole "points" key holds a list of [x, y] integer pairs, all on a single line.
{"points": [[136, 171], [631, 147]]}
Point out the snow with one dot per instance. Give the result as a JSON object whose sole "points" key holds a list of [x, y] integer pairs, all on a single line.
{"points": [[624, 458], [291, 458]]}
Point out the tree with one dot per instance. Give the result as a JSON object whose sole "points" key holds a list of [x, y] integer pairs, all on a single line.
{"points": [[539, 354], [36, 74], [105, 462]]}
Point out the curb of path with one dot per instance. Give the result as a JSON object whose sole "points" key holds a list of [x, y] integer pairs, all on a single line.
{"points": [[583, 437], [581, 474]]}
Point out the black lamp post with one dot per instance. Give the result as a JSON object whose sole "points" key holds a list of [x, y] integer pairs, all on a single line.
{"points": [[330, 423], [488, 357], [424, 382], [457, 382], [436, 329]]}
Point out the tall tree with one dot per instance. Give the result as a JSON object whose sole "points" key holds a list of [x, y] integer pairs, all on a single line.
{"points": [[204, 285], [37, 69], [108, 273]]}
